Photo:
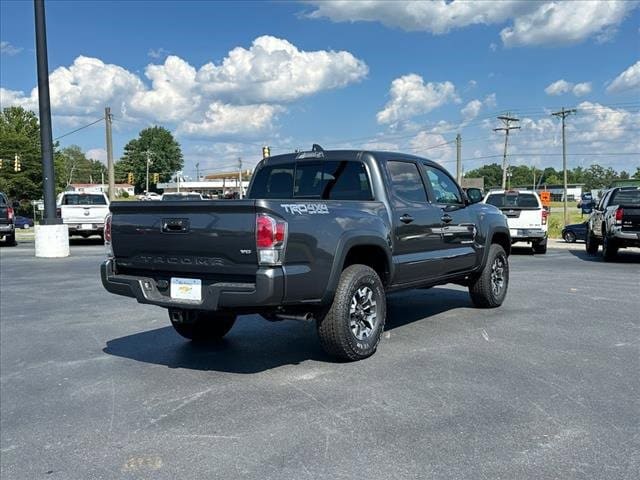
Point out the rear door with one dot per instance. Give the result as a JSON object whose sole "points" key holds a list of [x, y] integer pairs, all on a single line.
{"points": [[416, 223]]}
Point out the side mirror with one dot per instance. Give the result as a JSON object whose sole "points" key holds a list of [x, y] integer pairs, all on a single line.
{"points": [[474, 195]]}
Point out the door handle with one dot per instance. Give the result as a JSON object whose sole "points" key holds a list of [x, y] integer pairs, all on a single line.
{"points": [[406, 218], [446, 218]]}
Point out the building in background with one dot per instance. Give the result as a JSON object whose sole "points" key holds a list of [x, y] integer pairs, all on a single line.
{"points": [[101, 188]]}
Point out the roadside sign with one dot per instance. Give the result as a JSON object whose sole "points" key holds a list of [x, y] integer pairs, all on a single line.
{"points": [[545, 198]]}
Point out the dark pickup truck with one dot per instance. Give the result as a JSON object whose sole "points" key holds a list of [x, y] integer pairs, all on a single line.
{"points": [[615, 222], [7, 221], [322, 235]]}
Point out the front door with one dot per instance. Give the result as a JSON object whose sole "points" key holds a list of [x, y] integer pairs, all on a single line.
{"points": [[458, 226]]}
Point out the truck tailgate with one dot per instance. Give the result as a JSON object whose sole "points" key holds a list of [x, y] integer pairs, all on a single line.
{"points": [[207, 239]]}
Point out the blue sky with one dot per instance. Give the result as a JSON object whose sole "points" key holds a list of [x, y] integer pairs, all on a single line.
{"points": [[401, 76]]}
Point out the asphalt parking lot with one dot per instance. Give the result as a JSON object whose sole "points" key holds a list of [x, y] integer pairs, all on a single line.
{"points": [[546, 387]]}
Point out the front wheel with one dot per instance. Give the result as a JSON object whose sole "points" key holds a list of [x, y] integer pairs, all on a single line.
{"points": [[352, 327], [569, 237], [489, 288], [201, 326]]}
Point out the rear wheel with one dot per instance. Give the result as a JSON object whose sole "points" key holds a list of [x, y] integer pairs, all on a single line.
{"points": [[609, 248], [201, 326], [489, 288], [540, 246], [591, 244], [352, 327], [569, 237]]}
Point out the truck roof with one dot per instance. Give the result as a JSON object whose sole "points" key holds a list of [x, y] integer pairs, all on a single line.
{"points": [[333, 155]]}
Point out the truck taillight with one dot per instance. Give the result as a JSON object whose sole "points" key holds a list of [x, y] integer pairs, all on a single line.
{"points": [[545, 215], [619, 215], [10, 213], [107, 229], [271, 237]]}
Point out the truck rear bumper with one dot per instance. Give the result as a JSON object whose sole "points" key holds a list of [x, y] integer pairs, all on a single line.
{"points": [[527, 234], [268, 290], [628, 238]]}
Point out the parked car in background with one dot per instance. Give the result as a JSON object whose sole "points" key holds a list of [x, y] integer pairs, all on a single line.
{"points": [[615, 222], [574, 232], [7, 221], [83, 213], [525, 214], [181, 196], [149, 196], [24, 222]]}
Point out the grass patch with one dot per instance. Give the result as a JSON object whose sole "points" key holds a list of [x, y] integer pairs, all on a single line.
{"points": [[556, 220]]}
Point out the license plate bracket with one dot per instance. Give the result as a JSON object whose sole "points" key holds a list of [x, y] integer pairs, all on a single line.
{"points": [[186, 289]]}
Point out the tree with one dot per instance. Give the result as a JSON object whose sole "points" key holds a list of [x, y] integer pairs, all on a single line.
{"points": [[163, 150], [20, 135], [492, 175]]}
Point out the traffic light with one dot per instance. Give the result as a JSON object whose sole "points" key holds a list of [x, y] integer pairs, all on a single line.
{"points": [[130, 178], [156, 177], [16, 164], [1, 163], [266, 151]]}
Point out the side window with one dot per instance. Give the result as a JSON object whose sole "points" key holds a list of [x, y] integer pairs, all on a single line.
{"points": [[406, 181], [444, 188], [346, 181]]}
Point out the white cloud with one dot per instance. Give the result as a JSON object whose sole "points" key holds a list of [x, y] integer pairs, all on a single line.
{"points": [[581, 89], [471, 110], [7, 49], [566, 22], [433, 146], [158, 53], [410, 97], [240, 96], [490, 100], [627, 80], [559, 87], [274, 70], [533, 23], [493, 46], [228, 120], [99, 154]]}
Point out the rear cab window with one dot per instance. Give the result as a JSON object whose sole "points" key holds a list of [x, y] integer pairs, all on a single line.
{"points": [[324, 180], [83, 199], [406, 181], [514, 200], [626, 197]]}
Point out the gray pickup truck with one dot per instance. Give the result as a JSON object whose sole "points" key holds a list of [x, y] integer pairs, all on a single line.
{"points": [[322, 236], [615, 222]]}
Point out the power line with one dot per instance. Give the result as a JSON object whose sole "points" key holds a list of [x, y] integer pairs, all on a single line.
{"points": [[78, 129]]}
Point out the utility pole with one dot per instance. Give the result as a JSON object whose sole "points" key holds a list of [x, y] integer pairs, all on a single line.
{"points": [[110, 173], [198, 171], [564, 114], [240, 177], [44, 104], [506, 120], [459, 159], [148, 162]]}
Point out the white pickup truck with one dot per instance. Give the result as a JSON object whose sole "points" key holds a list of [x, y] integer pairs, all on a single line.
{"points": [[525, 214], [83, 213]]}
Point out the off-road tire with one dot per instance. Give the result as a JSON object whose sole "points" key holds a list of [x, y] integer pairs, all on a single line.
{"points": [[334, 331], [10, 240], [204, 326], [591, 244], [609, 249], [540, 247], [481, 287]]}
